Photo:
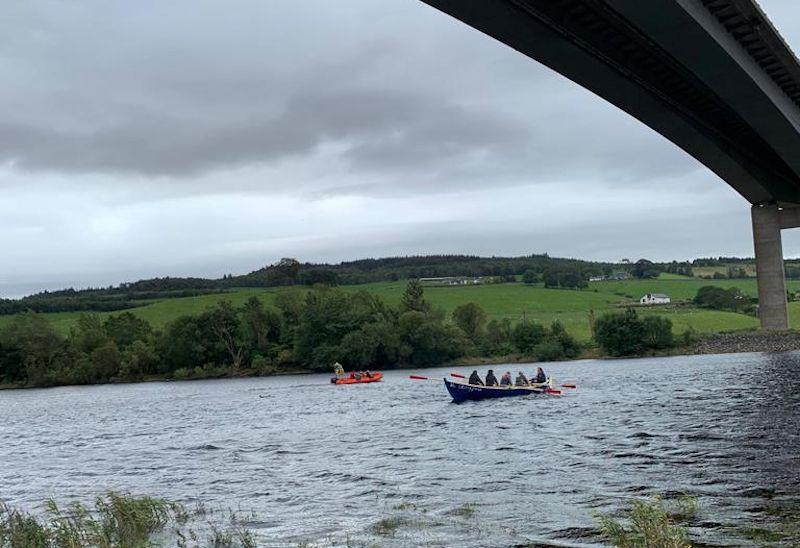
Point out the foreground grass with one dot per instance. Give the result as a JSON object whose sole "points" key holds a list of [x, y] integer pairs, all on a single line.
{"points": [[117, 520], [651, 524]]}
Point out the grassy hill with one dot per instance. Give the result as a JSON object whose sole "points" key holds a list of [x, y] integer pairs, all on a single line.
{"points": [[512, 300]]}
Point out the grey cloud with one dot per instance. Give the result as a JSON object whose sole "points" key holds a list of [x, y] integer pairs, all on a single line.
{"points": [[381, 130], [202, 137], [138, 92]]}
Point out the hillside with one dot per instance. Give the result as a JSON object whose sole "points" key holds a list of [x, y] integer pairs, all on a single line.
{"points": [[510, 300]]}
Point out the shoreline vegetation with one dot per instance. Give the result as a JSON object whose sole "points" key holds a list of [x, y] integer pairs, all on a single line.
{"points": [[121, 519], [306, 332]]}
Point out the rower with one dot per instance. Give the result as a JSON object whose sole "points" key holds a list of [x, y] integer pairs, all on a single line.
{"points": [[491, 380], [540, 377], [522, 380], [505, 380], [338, 370], [475, 379]]}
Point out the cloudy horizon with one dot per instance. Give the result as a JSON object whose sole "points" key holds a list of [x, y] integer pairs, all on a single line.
{"points": [[201, 139]]}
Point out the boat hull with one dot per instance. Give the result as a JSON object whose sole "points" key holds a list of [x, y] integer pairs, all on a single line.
{"points": [[375, 377], [461, 392]]}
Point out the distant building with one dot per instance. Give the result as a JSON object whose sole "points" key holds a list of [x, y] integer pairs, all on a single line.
{"points": [[655, 298], [619, 276], [452, 280], [597, 278]]}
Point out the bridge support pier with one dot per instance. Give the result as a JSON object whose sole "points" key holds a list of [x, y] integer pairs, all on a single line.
{"points": [[772, 307]]}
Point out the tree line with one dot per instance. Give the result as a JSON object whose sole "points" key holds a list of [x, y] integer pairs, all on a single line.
{"points": [[307, 330]]}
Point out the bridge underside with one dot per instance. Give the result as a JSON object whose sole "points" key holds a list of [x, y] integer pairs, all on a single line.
{"points": [[712, 76]]}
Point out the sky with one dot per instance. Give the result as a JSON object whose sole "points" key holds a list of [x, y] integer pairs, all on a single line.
{"points": [[200, 138]]}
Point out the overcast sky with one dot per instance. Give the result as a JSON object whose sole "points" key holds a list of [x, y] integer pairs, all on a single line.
{"points": [[197, 137]]}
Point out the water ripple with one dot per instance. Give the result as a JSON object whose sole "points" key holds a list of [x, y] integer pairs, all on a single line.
{"points": [[324, 460]]}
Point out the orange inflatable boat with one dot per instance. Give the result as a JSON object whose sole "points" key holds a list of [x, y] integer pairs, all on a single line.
{"points": [[352, 378]]}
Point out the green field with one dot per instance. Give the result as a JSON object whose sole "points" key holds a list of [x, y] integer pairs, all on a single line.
{"points": [[515, 301]]}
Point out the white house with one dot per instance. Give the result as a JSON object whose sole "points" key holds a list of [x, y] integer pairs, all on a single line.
{"points": [[655, 298]]}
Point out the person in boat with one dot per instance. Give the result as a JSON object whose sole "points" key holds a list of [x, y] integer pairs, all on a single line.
{"points": [[540, 377], [522, 380], [491, 380], [357, 376], [367, 374], [338, 370], [505, 380], [475, 379]]}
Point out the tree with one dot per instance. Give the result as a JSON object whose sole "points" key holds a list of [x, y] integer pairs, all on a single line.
{"points": [[124, 329], [328, 315], [223, 322], [138, 359], [570, 347], [321, 276], [262, 327], [414, 298], [644, 269], [288, 269], [183, 345], [471, 319], [620, 334], [498, 337], [526, 335], [28, 347], [625, 334], [105, 361], [568, 276], [427, 341], [718, 298], [88, 333], [530, 277], [551, 278], [657, 332]]}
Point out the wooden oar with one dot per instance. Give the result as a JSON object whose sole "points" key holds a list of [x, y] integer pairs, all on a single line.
{"points": [[458, 375], [421, 378]]}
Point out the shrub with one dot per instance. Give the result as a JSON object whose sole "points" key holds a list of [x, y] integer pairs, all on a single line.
{"points": [[549, 351], [718, 298], [530, 277], [263, 366], [526, 335], [471, 319], [620, 334], [658, 333], [651, 525], [625, 334], [182, 373]]}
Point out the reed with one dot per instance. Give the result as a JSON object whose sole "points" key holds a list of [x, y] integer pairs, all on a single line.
{"points": [[116, 520], [651, 524]]}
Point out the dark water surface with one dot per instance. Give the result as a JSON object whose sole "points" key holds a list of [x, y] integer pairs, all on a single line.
{"points": [[323, 463]]}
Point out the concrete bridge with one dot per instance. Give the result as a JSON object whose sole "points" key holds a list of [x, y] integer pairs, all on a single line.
{"points": [[712, 76]]}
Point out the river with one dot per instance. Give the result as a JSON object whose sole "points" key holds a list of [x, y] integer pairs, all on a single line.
{"points": [[317, 463]]}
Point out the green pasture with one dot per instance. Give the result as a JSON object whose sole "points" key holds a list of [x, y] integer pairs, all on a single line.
{"points": [[514, 301]]}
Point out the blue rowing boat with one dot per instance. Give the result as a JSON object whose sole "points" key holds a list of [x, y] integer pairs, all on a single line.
{"points": [[462, 392]]}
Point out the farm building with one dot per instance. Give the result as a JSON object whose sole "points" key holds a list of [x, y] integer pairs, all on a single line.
{"points": [[452, 280], [655, 298]]}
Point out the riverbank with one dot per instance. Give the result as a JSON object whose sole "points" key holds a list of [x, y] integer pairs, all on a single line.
{"points": [[749, 341], [719, 343]]}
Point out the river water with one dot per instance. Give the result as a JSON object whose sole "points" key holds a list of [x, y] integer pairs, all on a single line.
{"points": [[314, 463]]}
